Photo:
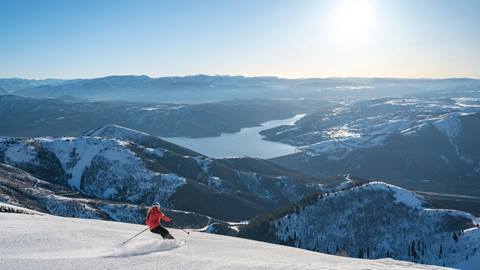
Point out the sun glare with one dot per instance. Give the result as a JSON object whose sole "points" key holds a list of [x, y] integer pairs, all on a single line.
{"points": [[353, 18]]}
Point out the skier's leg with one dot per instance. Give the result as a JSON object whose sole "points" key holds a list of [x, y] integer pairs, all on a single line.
{"points": [[157, 230], [169, 236], [163, 232], [166, 234]]}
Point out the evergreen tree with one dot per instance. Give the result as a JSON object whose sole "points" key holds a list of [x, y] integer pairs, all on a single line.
{"points": [[455, 236], [360, 253]]}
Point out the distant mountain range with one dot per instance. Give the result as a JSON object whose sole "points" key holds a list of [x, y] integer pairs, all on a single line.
{"points": [[16, 84], [31, 117], [202, 88], [424, 141], [102, 162], [419, 134]]}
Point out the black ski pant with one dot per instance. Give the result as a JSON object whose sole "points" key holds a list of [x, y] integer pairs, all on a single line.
{"points": [[162, 231]]}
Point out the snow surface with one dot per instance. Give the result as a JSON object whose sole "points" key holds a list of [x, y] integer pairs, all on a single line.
{"points": [[97, 166], [84, 150], [19, 153], [404, 196], [203, 163], [50, 242], [114, 131], [157, 151], [368, 124], [450, 126]]}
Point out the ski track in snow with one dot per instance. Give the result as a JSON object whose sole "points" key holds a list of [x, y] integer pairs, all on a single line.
{"points": [[49, 242], [134, 248]]}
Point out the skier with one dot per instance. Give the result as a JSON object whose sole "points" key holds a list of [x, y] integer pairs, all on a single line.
{"points": [[154, 217]]}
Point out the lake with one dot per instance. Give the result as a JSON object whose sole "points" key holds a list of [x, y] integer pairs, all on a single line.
{"points": [[246, 142]]}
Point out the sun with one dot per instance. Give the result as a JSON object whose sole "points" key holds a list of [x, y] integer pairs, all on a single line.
{"points": [[353, 18]]}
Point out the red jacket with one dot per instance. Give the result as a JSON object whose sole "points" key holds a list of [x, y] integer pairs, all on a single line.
{"points": [[154, 217]]}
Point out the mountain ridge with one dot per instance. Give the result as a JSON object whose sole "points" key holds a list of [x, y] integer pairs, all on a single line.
{"points": [[130, 171], [72, 117], [203, 87], [373, 220]]}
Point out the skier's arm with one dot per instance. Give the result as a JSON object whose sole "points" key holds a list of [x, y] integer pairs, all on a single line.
{"points": [[146, 219], [165, 218]]}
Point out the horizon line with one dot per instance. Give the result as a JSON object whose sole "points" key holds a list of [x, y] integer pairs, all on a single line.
{"points": [[244, 76]]}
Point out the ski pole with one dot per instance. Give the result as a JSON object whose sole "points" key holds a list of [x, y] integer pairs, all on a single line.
{"points": [[185, 231], [134, 236], [182, 229]]}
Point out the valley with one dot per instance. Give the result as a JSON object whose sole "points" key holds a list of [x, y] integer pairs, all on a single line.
{"points": [[291, 171], [246, 142]]}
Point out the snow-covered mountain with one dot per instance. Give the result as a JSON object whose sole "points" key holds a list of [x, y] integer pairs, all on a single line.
{"points": [[375, 220], [141, 138], [19, 188], [40, 241], [427, 142], [133, 167], [16, 84]]}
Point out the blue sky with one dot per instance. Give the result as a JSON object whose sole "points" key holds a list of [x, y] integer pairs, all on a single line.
{"points": [[381, 38]]}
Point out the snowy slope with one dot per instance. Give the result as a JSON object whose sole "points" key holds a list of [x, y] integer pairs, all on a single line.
{"points": [[19, 188], [104, 168], [145, 139], [49, 242], [115, 131]]}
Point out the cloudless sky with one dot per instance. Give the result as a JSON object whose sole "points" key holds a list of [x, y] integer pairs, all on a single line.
{"points": [[377, 38]]}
